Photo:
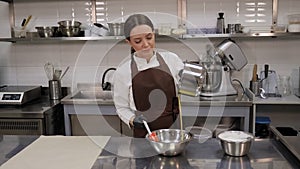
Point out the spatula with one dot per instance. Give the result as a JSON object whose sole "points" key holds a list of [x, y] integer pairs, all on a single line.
{"points": [[152, 135]]}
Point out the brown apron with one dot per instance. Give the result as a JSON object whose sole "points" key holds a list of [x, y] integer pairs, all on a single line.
{"points": [[154, 94]]}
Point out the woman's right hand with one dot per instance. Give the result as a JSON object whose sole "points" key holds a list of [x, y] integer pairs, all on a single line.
{"points": [[138, 122]]}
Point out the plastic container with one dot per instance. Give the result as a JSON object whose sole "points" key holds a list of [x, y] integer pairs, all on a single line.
{"points": [[294, 19], [201, 134], [19, 32], [262, 124], [284, 86], [294, 28]]}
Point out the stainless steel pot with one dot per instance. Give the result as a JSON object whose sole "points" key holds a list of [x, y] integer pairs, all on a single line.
{"points": [[192, 79]]}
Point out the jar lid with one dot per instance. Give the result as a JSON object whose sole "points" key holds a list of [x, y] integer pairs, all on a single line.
{"points": [[262, 120]]}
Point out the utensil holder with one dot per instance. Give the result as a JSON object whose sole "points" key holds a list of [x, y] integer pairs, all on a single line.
{"points": [[55, 89], [254, 87]]}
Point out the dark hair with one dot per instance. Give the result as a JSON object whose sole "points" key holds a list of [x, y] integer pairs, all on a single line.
{"points": [[136, 20]]}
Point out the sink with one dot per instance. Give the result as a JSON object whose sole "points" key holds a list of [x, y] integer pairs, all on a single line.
{"points": [[89, 97], [103, 95]]}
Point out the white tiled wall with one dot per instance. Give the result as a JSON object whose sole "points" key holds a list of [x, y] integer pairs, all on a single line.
{"points": [[22, 63]]}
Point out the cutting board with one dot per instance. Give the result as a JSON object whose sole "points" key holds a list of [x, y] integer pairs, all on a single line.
{"points": [[59, 152]]}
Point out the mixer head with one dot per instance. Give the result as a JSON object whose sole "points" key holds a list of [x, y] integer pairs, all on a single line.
{"points": [[231, 54]]}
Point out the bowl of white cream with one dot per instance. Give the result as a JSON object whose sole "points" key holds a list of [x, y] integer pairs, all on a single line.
{"points": [[235, 143]]}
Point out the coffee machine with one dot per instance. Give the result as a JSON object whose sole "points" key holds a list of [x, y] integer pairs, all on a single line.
{"points": [[227, 57]]}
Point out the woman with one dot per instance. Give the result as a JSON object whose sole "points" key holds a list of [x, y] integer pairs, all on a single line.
{"points": [[145, 86]]}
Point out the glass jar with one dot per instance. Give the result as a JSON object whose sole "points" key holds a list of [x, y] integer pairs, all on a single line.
{"points": [[284, 85]]}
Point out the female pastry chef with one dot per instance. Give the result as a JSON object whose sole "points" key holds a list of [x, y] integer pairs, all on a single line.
{"points": [[145, 85]]}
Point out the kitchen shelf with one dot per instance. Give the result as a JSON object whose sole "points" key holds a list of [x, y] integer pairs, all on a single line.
{"points": [[60, 39], [243, 35], [160, 37]]}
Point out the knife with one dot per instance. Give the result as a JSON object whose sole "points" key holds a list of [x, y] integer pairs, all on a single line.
{"points": [[267, 80], [266, 70]]}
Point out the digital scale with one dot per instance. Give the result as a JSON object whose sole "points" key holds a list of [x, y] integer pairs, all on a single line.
{"points": [[18, 95]]}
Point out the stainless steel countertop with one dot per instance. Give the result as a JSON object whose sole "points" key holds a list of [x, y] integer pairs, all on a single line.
{"points": [[241, 100], [263, 154], [291, 142], [10, 145], [32, 109]]}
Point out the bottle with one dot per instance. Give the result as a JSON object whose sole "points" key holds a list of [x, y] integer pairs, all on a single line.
{"points": [[220, 23]]}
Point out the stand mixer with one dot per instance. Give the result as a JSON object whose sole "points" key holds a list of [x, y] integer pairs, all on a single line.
{"points": [[212, 77], [227, 58]]}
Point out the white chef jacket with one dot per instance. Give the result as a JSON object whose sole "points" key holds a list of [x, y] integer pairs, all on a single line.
{"points": [[122, 81]]}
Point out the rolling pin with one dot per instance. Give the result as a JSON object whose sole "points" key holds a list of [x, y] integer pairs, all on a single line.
{"points": [[254, 74]]}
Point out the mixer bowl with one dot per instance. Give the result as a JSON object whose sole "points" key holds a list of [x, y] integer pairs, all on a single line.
{"points": [[213, 77], [171, 142]]}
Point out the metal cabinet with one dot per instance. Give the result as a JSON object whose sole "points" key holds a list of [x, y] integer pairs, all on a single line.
{"points": [[95, 125], [91, 119]]}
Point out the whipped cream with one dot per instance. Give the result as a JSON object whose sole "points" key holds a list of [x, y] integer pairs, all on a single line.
{"points": [[235, 136]]}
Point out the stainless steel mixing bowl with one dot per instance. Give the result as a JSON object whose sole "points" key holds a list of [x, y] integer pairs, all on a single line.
{"points": [[171, 142], [236, 143], [68, 23]]}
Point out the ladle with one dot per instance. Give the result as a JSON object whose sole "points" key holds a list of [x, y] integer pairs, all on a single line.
{"points": [[152, 135]]}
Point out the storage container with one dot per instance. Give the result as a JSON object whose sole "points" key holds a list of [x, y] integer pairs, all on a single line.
{"points": [[262, 124]]}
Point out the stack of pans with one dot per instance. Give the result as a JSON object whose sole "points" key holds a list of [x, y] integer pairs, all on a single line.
{"points": [[47, 31]]}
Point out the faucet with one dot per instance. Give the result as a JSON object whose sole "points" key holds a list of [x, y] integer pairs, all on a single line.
{"points": [[106, 85]]}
